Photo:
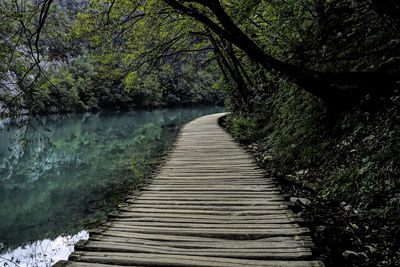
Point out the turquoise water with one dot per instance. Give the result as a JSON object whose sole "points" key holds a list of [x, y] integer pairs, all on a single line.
{"points": [[73, 175]]}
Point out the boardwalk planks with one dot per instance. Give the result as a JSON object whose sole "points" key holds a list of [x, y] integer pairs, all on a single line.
{"points": [[209, 205]]}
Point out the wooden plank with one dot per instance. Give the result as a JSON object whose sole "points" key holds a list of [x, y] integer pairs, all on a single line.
{"points": [[218, 179], [210, 221], [215, 192], [233, 216], [201, 199], [197, 239], [290, 253], [181, 182], [212, 203], [257, 188], [126, 224], [141, 211], [190, 172], [288, 243], [82, 264], [227, 190], [231, 233], [213, 175], [242, 163], [221, 194], [161, 247], [153, 259], [211, 207], [219, 186], [166, 173]]}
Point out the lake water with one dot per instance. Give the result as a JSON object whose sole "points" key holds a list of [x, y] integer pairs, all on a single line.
{"points": [[66, 180]]}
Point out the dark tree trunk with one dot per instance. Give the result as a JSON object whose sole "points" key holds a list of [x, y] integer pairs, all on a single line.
{"points": [[238, 65], [234, 74]]}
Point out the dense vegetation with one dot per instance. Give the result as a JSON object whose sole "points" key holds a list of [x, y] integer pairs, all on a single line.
{"points": [[312, 84], [44, 69]]}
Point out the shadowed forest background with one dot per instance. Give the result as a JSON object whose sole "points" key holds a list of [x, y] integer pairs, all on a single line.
{"points": [[312, 87]]}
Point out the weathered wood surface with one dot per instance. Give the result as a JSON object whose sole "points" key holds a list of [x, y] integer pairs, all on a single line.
{"points": [[209, 205]]}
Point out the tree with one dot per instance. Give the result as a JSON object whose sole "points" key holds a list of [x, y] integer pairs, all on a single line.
{"points": [[177, 26], [329, 86], [23, 23], [141, 44]]}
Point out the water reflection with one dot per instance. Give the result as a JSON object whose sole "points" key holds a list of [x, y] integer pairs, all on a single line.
{"points": [[43, 253], [48, 190]]}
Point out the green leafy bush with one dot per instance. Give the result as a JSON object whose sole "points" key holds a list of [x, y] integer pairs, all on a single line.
{"points": [[243, 128]]}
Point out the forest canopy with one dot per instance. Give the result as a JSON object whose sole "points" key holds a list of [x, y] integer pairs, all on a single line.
{"points": [[61, 56]]}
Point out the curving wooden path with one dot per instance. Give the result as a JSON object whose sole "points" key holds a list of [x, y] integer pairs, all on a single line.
{"points": [[209, 205]]}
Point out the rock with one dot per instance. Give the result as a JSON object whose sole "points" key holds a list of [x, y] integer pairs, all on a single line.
{"points": [[368, 138], [320, 231], [302, 200], [364, 255], [354, 226], [348, 253], [347, 207], [267, 157], [345, 143], [301, 172], [371, 249], [305, 201]]}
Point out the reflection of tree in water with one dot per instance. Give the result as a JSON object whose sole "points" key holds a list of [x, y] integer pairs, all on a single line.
{"points": [[93, 162], [42, 253]]}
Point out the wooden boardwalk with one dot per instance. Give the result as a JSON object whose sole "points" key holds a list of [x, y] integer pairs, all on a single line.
{"points": [[209, 205]]}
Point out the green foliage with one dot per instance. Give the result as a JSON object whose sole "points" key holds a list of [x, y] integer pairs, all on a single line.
{"points": [[136, 169], [280, 25], [67, 89], [155, 55], [355, 153], [371, 180], [296, 128], [292, 128], [244, 129], [96, 57]]}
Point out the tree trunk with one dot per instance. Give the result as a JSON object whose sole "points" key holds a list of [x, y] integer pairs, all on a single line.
{"points": [[233, 71]]}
